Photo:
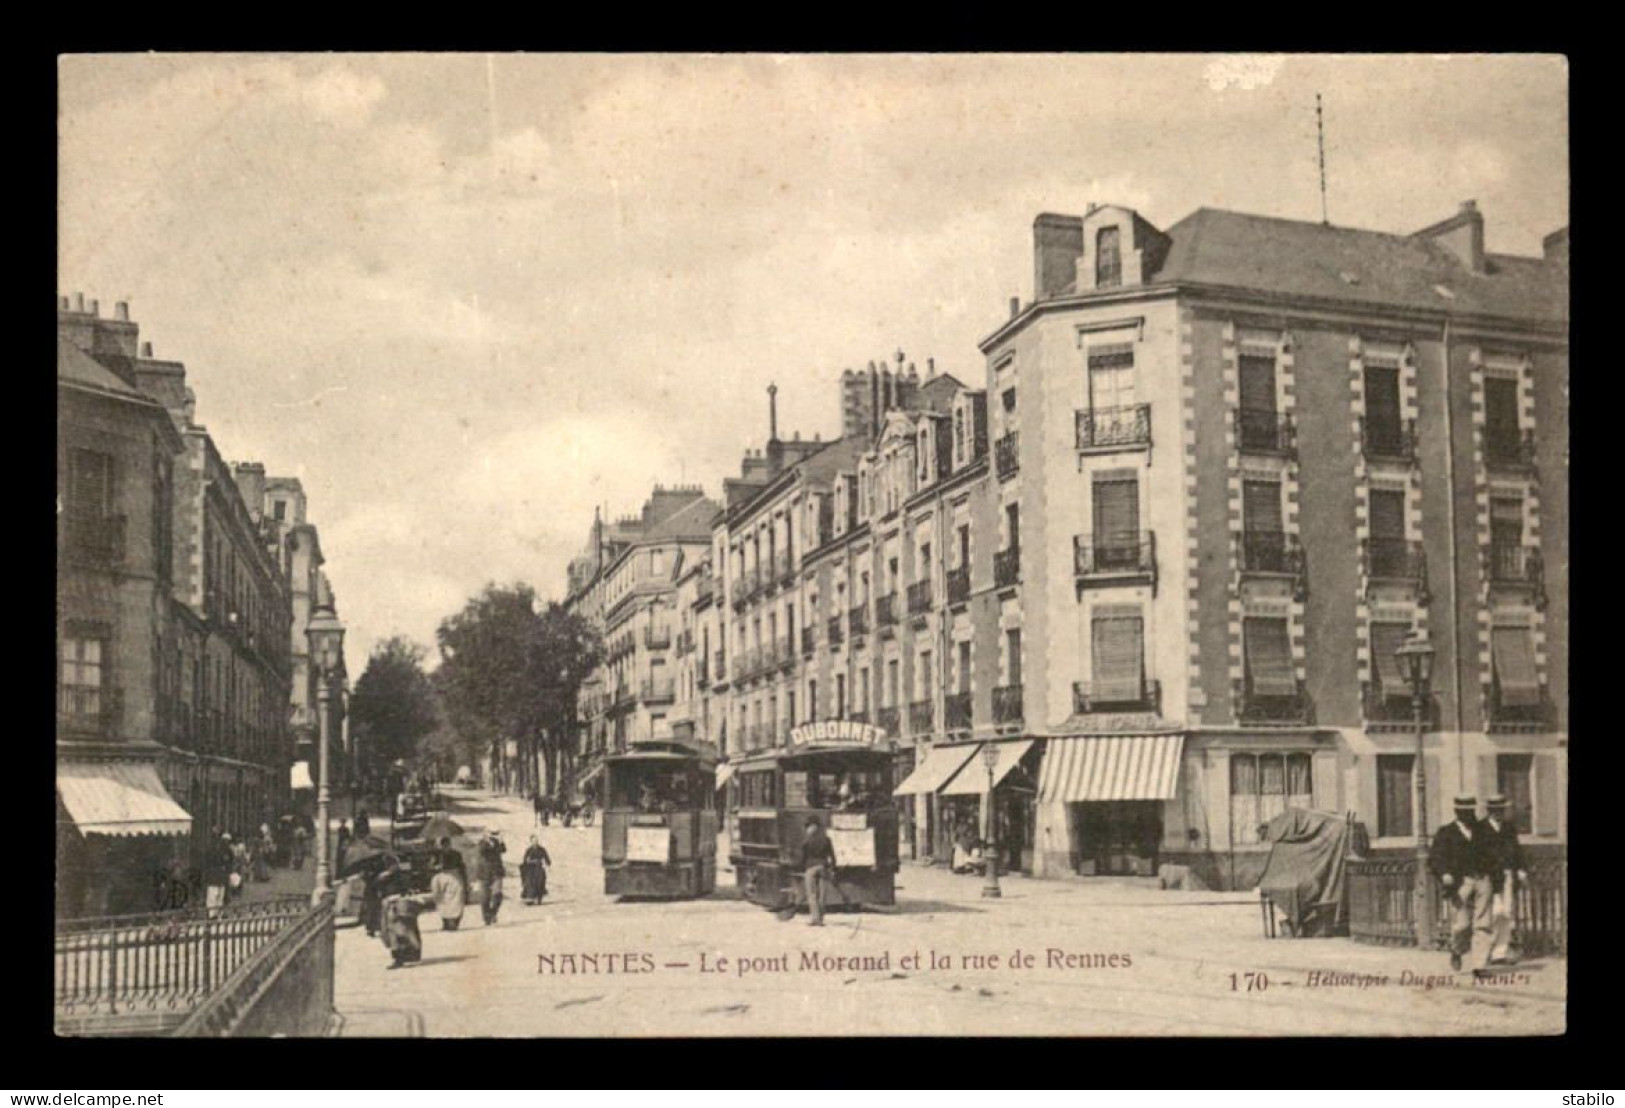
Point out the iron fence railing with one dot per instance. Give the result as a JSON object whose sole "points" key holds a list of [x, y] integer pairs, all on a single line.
{"points": [[1265, 431], [1127, 426]]}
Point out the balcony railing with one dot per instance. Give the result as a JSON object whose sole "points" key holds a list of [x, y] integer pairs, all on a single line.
{"points": [[1007, 455], [784, 652], [1007, 567], [1115, 556], [887, 719], [958, 581], [1532, 713], [886, 612], [746, 588], [86, 710], [1514, 564], [1272, 705], [1093, 697], [657, 638], [920, 717], [1007, 704], [857, 620], [659, 690], [1265, 431], [861, 716], [1124, 428], [956, 711], [1271, 552], [837, 630], [783, 568], [1387, 438], [1394, 709], [719, 665], [1509, 448], [809, 639], [702, 675], [919, 597], [1396, 560], [98, 538]]}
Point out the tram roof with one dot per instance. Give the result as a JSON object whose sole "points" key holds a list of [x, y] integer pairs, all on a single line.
{"points": [[767, 758]]}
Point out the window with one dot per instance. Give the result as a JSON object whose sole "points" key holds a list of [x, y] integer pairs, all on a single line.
{"points": [[862, 704], [840, 696], [1111, 380], [1012, 519], [1261, 508], [812, 699], [1108, 259], [964, 667], [964, 546], [1118, 656], [893, 682], [790, 708], [1386, 639], [1506, 522], [1514, 777], [1394, 794], [279, 509], [1117, 519], [1269, 657], [1501, 409], [83, 676], [1382, 426], [1262, 786], [959, 436], [1009, 399], [1513, 655], [1012, 655], [925, 675], [1388, 514], [1257, 372], [90, 484]]}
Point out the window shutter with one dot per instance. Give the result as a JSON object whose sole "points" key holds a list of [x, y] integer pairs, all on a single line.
{"points": [[1386, 639], [1269, 657], [1382, 396], [1387, 514], [1261, 507], [1546, 798], [1257, 383], [1117, 511], [1118, 658], [1500, 405], [1514, 658]]}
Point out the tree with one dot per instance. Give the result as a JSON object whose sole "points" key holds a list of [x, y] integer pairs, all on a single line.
{"points": [[392, 707], [510, 674]]}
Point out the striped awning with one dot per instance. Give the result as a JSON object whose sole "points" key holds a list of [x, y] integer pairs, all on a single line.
{"points": [[941, 764], [120, 798], [972, 779], [299, 776], [724, 772], [1111, 767]]}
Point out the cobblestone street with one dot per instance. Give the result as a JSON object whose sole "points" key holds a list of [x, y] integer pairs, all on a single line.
{"points": [[1188, 964]]}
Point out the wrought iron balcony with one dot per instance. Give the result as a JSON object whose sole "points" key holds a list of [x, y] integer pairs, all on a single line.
{"points": [[1007, 567], [886, 612], [1097, 558], [919, 597], [1007, 704], [659, 691], [784, 652], [887, 719], [1265, 431], [837, 630], [1514, 564], [857, 620], [1095, 697], [1388, 438], [958, 581], [1395, 560], [89, 711], [1394, 710], [920, 717], [1271, 552], [93, 537], [1509, 448], [956, 711], [861, 716], [1272, 705], [1007, 455], [809, 639], [1125, 428], [1529, 713], [657, 638], [744, 587]]}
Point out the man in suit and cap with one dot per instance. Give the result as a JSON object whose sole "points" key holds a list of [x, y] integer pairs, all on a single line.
{"points": [[1461, 861], [1506, 871]]}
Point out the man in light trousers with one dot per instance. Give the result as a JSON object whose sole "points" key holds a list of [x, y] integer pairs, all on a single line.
{"points": [[1461, 859]]}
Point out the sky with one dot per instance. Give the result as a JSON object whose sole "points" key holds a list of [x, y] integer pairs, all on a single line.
{"points": [[468, 298]]}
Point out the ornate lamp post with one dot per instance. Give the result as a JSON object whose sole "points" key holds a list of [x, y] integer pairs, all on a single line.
{"points": [[1416, 661], [990, 759], [326, 637]]}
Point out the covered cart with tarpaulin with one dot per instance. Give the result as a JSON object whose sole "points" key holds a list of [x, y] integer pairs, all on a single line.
{"points": [[1302, 891], [660, 829]]}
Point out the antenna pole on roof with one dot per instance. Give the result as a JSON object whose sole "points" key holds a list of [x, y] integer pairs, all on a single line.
{"points": [[1320, 134]]}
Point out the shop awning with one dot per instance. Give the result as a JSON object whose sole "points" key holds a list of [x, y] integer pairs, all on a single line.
{"points": [[1111, 767], [972, 780], [120, 798], [724, 771], [299, 776], [941, 764]]}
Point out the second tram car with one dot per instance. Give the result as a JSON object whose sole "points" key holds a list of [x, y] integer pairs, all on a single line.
{"points": [[660, 831]]}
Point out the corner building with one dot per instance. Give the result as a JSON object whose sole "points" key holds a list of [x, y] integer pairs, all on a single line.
{"points": [[1234, 464]]}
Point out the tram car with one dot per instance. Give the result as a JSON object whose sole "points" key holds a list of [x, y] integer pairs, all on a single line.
{"points": [[837, 772], [660, 831]]}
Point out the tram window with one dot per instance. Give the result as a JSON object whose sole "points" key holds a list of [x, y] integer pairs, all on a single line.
{"points": [[757, 790]]}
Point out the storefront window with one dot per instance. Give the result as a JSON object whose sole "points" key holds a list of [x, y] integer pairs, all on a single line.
{"points": [[1262, 786]]}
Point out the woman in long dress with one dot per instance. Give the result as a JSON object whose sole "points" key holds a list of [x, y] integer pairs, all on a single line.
{"points": [[533, 872], [450, 886], [400, 909]]}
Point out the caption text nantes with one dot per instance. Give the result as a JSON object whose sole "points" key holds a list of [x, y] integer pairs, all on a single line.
{"points": [[808, 961]]}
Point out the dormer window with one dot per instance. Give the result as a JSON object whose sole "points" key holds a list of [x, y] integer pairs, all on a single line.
{"points": [[1108, 258]]}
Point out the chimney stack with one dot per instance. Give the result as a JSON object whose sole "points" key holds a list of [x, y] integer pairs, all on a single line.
{"points": [[1057, 247], [930, 368], [772, 413], [62, 303], [1461, 235], [96, 307], [146, 350], [1015, 306], [121, 311]]}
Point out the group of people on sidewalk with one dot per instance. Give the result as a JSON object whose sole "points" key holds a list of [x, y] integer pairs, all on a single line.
{"points": [[1479, 864], [231, 862], [391, 904]]}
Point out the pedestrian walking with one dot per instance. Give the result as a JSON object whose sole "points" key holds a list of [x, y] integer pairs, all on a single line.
{"points": [[1506, 874], [489, 870], [817, 859], [539, 805], [1462, 863], [401, 936], [301, 839], [449, 885], [363, 825], [341, 842], [533, 872]]}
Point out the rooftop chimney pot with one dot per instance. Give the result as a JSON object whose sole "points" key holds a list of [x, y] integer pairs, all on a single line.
{"points": [[78, 301], [121, 311], [96, 307], [1015, 306], [146, 350], [930, 367], [63, 302]]}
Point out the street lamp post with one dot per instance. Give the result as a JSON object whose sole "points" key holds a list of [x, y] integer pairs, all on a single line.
{"points": [[1416, 659], [326, 637], [990, 888]]}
